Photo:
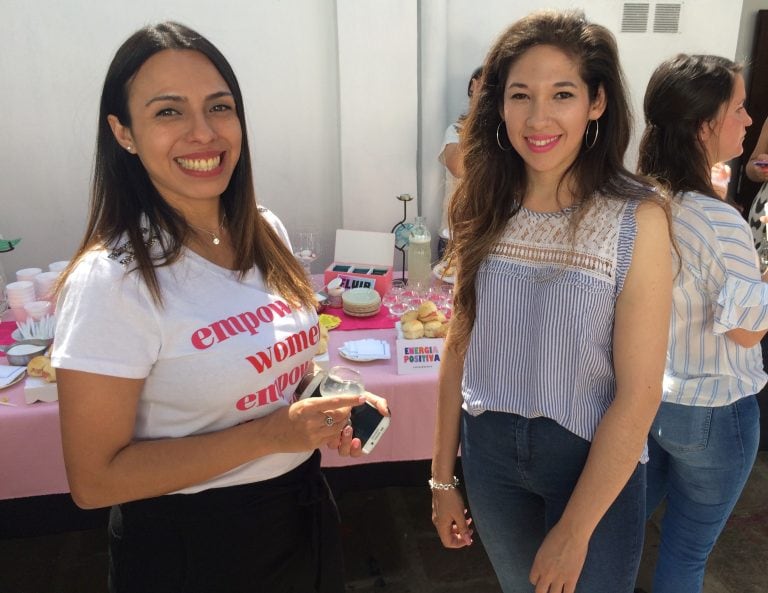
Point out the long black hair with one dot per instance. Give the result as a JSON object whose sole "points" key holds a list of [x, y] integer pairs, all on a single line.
{"points": [[123, 198], [684, 93]]}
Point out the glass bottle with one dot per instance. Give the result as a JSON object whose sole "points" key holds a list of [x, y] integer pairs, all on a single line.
{"points": [[419, 253]]}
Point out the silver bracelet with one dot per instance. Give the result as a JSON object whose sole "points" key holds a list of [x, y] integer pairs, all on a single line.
{"points": [[435, 485]]}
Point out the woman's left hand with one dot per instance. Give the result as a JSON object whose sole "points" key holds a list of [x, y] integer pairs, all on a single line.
{"points": [[558, 563], [344, 443]]}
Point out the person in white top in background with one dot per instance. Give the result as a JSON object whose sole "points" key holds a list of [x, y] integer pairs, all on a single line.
{"points": [[184, 326], [450, 157], [705, 436]]}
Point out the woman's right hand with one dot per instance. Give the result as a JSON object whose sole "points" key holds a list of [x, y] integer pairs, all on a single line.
{"points": [[303, 426], [449, 518]]}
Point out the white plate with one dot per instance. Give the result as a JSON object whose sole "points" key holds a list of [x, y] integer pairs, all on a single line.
{"points": [[16, 379], [355, 358], [438, 272]]}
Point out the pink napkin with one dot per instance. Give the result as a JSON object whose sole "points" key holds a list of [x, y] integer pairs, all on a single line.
{"points": [[6, 327], [379, 321]]}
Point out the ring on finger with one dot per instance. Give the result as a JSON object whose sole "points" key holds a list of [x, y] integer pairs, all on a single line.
{"points": [[329, 421]]}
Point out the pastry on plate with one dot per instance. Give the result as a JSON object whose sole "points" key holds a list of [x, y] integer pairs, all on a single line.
{"points": [[412, 330]]}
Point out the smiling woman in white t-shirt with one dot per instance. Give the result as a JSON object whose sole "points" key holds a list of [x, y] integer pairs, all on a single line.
{"points": [[184, 327]]}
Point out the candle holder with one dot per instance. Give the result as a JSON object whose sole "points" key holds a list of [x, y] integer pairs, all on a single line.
{"points": [[401, 230]]}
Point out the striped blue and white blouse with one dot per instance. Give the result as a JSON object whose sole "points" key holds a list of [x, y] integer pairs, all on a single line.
{"points": [[542, 343], [718, 288]]}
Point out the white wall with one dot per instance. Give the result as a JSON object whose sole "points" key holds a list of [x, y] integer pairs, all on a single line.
{"points": [[346, 100], [379, 109], [706, 26], [52, 66]]}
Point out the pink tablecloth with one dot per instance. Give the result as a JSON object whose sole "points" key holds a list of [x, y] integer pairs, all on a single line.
{"points": [[382, 320], [31, 462], [6, 328]]}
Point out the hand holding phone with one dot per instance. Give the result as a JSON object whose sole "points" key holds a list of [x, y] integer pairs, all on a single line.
{"points": [[368, 425]]}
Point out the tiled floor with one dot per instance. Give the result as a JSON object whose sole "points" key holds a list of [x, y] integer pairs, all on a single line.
{"points": [[391, 547]]}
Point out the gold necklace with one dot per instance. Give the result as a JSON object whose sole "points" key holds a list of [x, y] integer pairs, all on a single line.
{"points": [[215, 239]]}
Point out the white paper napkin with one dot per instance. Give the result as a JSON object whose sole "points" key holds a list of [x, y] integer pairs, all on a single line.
{"points": [[368, 349]]}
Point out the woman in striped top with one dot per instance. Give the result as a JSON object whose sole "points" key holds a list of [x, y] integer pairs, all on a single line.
{"points": [[704, 438], [552, 369]]}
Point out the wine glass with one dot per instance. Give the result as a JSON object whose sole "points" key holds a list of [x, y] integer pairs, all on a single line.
{"points": [[305, 250], [342, 380], [390, 298]]}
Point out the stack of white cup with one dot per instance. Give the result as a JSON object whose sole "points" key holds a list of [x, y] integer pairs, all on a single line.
{"points": [[58, 266], [44, 285], [19, 294], [27, 274]]}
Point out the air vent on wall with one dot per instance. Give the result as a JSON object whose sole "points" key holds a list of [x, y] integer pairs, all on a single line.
{"points": [[666, 19], [635, 17]]}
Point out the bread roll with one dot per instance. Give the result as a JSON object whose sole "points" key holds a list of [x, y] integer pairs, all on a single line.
{"points": [[427, 311], [412, 330], [322, 345], [409, 316], [434, 329], [40, 366]]}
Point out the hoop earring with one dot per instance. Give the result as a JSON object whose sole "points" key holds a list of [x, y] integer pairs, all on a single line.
{"points": [[498, 138], [587, 143]]}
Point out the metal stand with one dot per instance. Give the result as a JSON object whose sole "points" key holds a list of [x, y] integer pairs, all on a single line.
{"points": [[404, 198]]}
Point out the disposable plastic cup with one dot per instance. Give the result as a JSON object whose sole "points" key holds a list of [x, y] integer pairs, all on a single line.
{"points": [[19, 314], [38, 309], [58, 266], [27, 274]]}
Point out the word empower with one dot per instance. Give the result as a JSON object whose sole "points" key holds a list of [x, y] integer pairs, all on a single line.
{"points": [[248, 321]]}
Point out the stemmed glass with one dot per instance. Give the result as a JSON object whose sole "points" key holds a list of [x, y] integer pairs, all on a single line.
{"points": [[394, 301], [305, 250], [342, 380]]}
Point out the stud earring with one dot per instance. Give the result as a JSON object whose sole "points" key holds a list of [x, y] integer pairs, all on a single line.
{"points": [[129, 148]]}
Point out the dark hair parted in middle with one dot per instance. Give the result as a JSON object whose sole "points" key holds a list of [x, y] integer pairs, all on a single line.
{"points": [[495, 180], [683, 93], [124, 200]]}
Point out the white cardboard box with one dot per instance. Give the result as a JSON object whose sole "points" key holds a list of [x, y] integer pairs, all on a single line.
{"points": [[363, 259], [37, 389]]}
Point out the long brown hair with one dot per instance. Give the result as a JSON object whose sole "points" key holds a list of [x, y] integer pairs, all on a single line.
{"points": [[683, 93], [123, 198], [495, 180]]}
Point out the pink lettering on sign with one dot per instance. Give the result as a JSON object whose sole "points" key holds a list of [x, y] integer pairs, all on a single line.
{"points": [[246, 322]]}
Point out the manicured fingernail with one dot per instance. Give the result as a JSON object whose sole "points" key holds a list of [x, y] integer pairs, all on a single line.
{"points": [[347, 431]]}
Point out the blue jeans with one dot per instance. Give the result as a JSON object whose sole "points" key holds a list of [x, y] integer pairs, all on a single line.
{"points": [[519, 476], [700, 459]]}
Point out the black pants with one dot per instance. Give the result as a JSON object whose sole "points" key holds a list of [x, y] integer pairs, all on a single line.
{"points": [[276, 536]]}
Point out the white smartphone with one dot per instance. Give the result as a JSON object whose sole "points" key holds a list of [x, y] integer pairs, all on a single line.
{"points": [[368, 425]]}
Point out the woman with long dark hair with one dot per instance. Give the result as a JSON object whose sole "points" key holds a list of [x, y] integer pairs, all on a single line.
{"points": [[552, 368], [184, 327], [704, 438]]}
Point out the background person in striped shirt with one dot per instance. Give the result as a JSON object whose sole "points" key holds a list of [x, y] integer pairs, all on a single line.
{"points": [[553, 365], [704, 438]]}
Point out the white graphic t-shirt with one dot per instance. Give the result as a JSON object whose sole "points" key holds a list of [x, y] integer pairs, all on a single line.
{"points": [[219, 351]]}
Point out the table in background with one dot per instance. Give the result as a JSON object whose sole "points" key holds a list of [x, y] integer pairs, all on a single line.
{"points": [[31, 461]]}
